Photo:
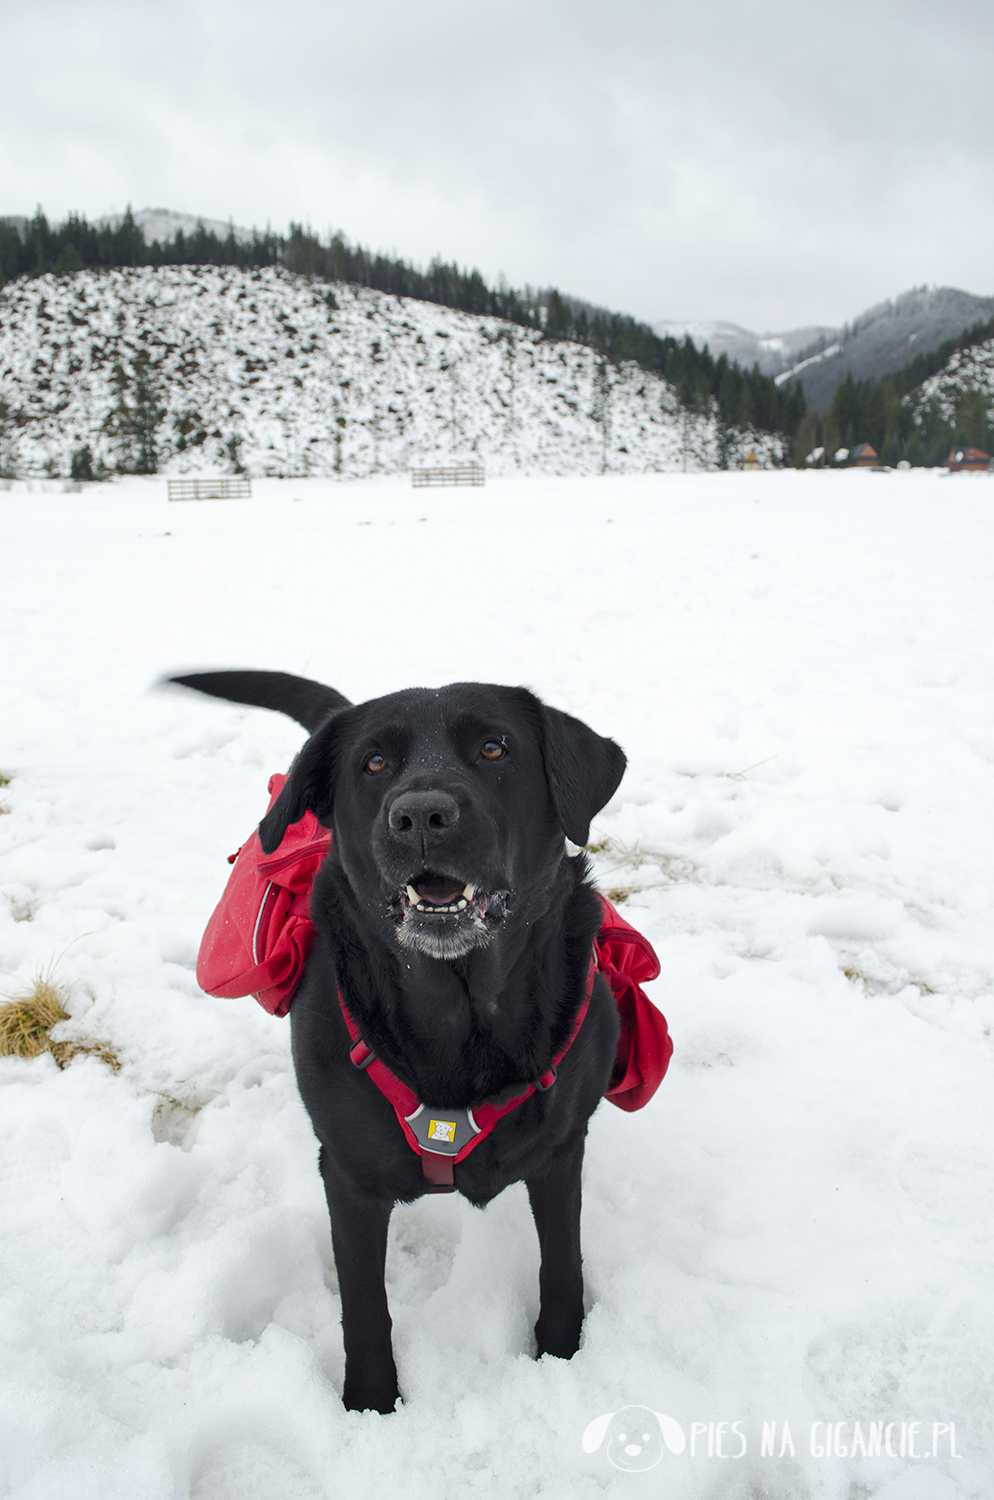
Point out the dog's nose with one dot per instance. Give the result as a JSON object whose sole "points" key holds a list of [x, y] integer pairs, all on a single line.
{"points": [[423, 816]]}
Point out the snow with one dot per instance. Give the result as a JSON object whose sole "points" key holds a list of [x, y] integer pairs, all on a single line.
{"points": [[797, 1228], [162, 224], [256, 366], [813, 359]]}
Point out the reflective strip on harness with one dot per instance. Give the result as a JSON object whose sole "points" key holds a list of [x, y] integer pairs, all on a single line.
{"points": [[258, 923]]}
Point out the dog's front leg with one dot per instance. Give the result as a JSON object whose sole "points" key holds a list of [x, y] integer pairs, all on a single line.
{"points": [[555, 1200], [359, 1227]]}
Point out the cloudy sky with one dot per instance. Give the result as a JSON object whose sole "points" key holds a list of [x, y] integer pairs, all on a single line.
{"points": [[773, 163]]}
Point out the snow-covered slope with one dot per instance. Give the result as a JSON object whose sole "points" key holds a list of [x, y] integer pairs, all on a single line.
{"points": [[969, 371], [288, 376], [162, 224]]}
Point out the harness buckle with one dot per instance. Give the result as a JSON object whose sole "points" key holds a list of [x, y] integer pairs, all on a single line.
{"points": [[361, 1055]]}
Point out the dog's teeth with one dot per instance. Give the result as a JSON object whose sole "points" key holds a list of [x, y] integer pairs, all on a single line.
{"points": [[469, 891], [420, 905]]}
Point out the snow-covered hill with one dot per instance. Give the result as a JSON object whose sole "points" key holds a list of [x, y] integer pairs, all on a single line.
{"points": [[162, 224], [970, 372], [284, 375]]}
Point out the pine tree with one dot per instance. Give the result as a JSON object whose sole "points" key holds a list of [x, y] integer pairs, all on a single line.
{"points": [[558, 317], [68, 261], [7, 425], [601, 409], [133, 425], [82, 464], [234, 450]]}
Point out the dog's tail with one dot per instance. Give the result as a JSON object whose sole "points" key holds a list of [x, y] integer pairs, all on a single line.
{"points": [[308, 702]]}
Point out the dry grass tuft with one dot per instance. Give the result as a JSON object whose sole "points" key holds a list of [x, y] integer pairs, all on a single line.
{"points": [[65, 1052], [27, 1019], [26, 1023]]}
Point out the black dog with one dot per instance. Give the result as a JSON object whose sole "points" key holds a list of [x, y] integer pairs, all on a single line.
{"points": [[458, 932]]}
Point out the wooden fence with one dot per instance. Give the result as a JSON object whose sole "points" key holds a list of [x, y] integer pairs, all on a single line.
{"points": [[448, 474], [223, 488]]}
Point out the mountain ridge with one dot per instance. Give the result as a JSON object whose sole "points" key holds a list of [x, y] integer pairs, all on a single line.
{"points": [[878, 341]]}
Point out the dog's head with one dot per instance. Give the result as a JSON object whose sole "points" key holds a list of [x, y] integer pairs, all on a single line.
{"points": [[637, 1437], [449, 806]]}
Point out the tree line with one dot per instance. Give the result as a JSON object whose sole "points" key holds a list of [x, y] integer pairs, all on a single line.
{"points": [[740, 398]]}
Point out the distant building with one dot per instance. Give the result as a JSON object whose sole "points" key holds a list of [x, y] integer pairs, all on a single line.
{"points": [[968, 458], [865, 457], [751, 461]]}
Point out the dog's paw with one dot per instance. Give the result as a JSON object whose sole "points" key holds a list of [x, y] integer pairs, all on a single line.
{"points": [[558, 1335], [371, 1395]]}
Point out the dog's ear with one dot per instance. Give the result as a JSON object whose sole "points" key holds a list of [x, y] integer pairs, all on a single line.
{"points": [[308, 788], [583, 769], [673, 1434], [593, 1435]]}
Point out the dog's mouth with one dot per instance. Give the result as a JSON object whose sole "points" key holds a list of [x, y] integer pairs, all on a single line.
{"points": [[434, 894], [445, 916]]}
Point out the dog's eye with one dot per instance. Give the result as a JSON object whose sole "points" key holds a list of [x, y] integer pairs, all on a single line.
{"points": [[375, 764], [493, 750]]}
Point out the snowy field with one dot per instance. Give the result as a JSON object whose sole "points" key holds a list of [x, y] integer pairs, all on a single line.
{"points": [[797, 1230]]}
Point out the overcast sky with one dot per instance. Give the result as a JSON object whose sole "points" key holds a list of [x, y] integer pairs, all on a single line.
{"points": [[773, 163]]}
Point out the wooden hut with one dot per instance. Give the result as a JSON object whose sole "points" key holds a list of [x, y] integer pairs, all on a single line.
{"points": [[751, 461], [968, 459], [865, 457]]}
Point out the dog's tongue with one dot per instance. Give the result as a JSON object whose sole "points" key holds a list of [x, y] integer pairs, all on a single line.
{"points": [[440, 890]]}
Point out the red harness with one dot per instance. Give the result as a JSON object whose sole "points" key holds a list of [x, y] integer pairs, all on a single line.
{"points": [[443, 1137], [261, 933]]}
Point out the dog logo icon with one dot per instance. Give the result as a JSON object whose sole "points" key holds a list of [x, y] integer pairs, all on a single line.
{"points": [[637, 1437], [442, 1130]]}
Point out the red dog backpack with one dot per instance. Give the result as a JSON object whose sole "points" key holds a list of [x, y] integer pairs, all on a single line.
{"points": [[260, 935]]}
